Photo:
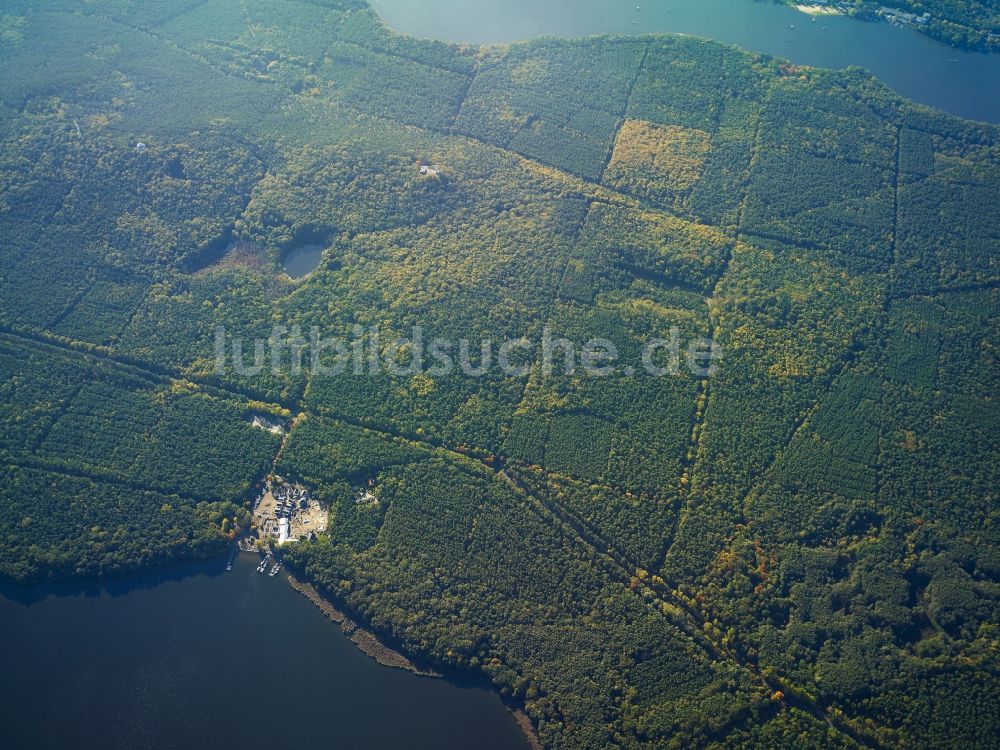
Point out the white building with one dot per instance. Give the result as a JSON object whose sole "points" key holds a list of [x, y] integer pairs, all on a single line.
{"points": [[282, 530]]}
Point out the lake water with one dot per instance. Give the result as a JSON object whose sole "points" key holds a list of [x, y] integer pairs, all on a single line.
{"points": [[919, 68], [302, 261], [205, 658]]}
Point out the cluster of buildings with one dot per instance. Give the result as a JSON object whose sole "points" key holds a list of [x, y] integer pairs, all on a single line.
{"points": [[288, 500], [902, 18], [280, 506]]}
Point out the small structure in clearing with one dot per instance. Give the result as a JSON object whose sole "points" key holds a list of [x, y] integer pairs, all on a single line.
{"points": [[366, 495]]}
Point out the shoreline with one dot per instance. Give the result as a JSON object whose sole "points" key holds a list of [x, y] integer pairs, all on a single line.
{"points": [[811, 9], [369, 644], [366, 641], [527, 728]]}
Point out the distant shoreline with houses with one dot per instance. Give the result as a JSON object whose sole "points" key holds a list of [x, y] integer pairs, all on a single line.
{"points": [[925, 22]]}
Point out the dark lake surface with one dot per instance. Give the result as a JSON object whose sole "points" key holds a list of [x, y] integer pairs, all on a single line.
{"points": [[204, 658], [962, 83], [302, 261]]}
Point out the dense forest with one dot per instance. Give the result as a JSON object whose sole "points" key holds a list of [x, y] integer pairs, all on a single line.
{"points": [[801, 549]]}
